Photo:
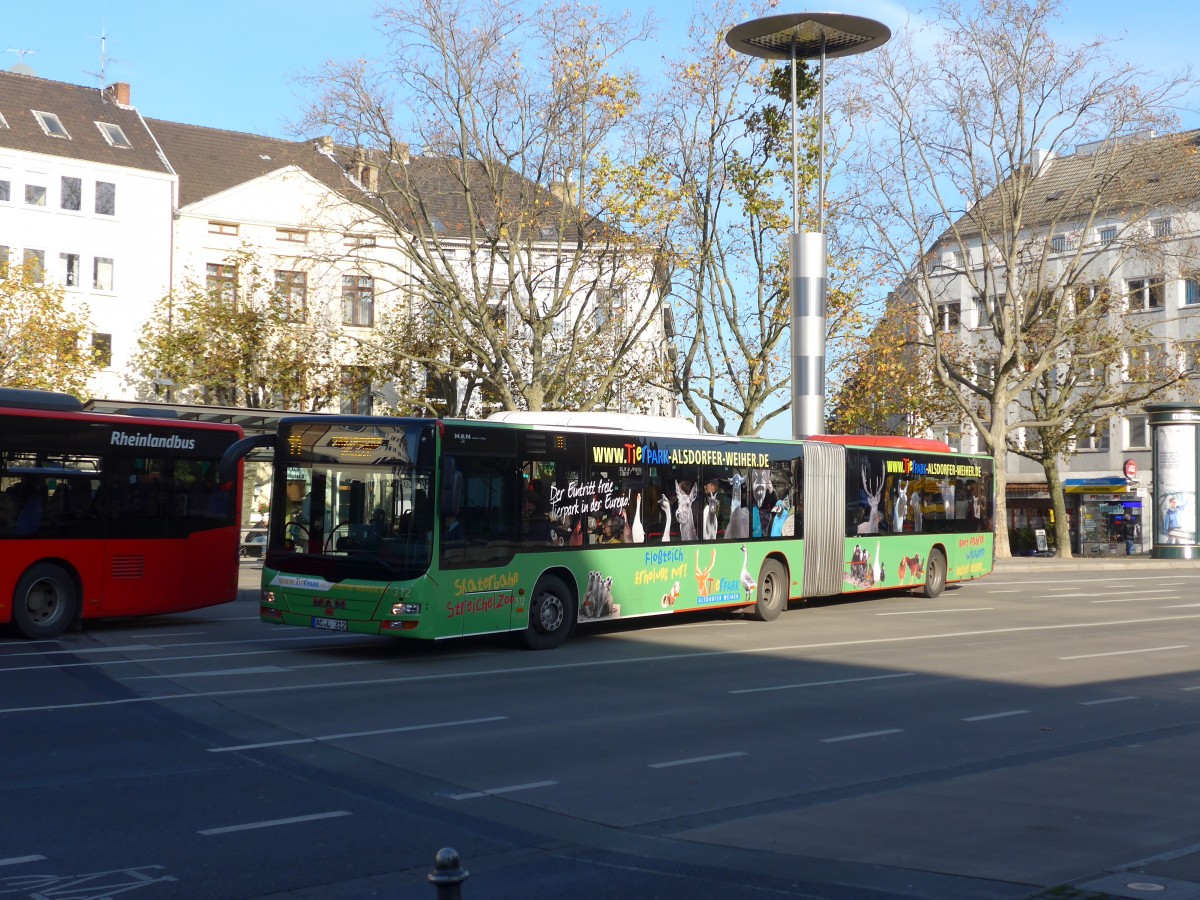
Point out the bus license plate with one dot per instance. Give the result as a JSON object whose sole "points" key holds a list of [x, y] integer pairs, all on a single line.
{"points": [[329, 624]]}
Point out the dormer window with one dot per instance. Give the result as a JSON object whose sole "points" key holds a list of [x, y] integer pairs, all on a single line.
{"points": [[3, 121], [51, 124], [114, 135]]}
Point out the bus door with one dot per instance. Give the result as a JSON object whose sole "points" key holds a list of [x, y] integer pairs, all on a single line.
{"points": [[484, 593]]}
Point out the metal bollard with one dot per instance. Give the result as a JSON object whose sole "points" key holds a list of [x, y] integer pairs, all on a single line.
{"points": [[448, 874]]}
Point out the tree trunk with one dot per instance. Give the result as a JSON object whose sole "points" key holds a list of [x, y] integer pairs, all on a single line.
{"points": [[1058, 506], [999, 440]]}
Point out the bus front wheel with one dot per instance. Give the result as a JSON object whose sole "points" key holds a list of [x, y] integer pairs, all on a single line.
{"points": [[45, 601], [551, 614], [772, 591], [935, 573]]}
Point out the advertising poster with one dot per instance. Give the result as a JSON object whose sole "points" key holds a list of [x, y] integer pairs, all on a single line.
{"points": [[1175, 473]]}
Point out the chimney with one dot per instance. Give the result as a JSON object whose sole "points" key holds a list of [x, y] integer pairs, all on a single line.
{"points": [[324, 144], [1041, 160], [119, 92]]}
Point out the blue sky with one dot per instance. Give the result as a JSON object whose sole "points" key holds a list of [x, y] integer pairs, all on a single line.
{"points": [[233, 65]]}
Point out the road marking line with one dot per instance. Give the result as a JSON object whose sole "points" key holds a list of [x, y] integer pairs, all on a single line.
{"points": [[1180, 606], [921, 612], [1006, 591], [1195, 687], [999, 715], [354, 734], [250, 826], [786, 687], [138, 662], [865, 734], [256, 670], [1061, 596], [1130, 599], [17, 860], [1157, 579], [503, 790], [1124, 652], [1107, 700], [695, 759], [535, 669]]}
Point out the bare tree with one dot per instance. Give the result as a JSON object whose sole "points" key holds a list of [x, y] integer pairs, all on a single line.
{"points": [[525, 266], [723, 144], [1008, 170]]}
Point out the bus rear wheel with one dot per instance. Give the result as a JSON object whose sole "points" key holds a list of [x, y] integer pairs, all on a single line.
{"points": [[551, 614], [935, 573], [772, 591], [45, 601]]}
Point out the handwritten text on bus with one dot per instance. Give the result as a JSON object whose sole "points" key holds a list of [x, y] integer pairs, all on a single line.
{"points": [[598, 496]]}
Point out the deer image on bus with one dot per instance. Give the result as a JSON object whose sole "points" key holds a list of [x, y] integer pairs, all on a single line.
{"points": [[434, 529]]}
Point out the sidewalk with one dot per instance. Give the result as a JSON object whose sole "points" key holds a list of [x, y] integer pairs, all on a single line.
{"points": [[1052, 564]]}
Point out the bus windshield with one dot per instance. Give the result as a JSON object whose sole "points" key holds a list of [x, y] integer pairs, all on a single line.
{"points": [[355, 498]]}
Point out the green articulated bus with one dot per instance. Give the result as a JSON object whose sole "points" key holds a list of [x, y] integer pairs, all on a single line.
{"points": [[534, 523]]}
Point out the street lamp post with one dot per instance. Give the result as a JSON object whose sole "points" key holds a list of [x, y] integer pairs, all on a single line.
{"points": [[808, 36]]}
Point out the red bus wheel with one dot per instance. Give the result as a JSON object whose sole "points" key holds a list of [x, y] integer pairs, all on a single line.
{"points": [[45, 602]]}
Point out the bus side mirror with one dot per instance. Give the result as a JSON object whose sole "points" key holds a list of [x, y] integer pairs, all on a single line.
{"points": [[451, 496]]}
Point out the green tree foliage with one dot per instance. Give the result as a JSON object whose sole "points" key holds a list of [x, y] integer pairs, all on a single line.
{"points": [[42, 341], [248, 346]]}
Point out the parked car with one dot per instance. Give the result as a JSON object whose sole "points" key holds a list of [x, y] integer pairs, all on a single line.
{"points": [[254, 542]]}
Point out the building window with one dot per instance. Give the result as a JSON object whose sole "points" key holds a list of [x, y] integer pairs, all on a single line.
{"points": [[114, 135], [1145, 293], [1160, 228], [1191, 291], [106, 198], [5, 190], [35, 265], [102, 349], [102, 274], [1096, 438], [1059, 244], [222, 228], [949, 434], [1146, 363], [51, 124], [292, 290], [292, 235], [70, 264], [1108, 234], [950, 315], [356, 390], [35, 195], [982, 310], [1191, 358], [3, 261], [359, 240], [1135, 432], [358, 300], [72, 193], [221, 281]]}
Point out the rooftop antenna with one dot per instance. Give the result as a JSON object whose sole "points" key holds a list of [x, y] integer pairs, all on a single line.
{"points": [[20, 68], [105, 59]]}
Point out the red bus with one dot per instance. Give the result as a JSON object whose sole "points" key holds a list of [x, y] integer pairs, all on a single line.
{"points": [[110, 515]]}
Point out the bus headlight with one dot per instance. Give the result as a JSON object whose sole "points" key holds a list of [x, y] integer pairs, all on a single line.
{"points": [[268, 596], [406, 609]]}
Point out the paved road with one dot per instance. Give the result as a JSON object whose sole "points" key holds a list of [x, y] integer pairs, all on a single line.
{"points": [[1033, 730]]}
